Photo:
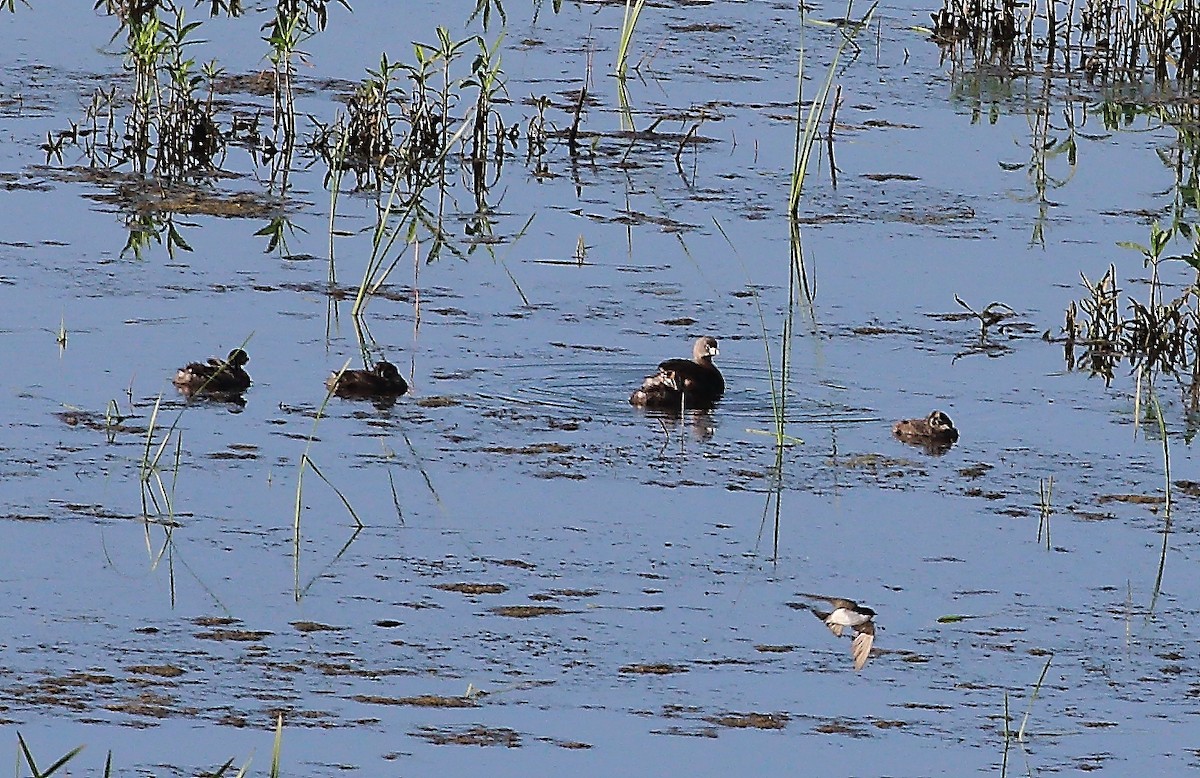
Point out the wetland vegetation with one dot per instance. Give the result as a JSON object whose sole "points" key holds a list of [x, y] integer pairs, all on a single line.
{"points": [[523, 208]]}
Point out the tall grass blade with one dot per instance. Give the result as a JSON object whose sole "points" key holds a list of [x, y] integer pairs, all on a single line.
{"points": [[807, 124], [1033, 698], [52, 769], [633, 9], [1166, 531], [336, 490], [278, 749]]}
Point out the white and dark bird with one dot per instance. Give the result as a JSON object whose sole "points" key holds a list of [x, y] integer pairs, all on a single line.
{"points": [[848, 613]]}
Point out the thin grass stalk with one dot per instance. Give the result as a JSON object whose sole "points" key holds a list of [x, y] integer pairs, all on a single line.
{"points": [[1033, 698], [1045, 494], [278, 749], [28, 755], [337, 173], [504, 265], [304, 459], [336, 491], [421, 468], [378, 255], [807, 125], [1007, 740], [633, 9], [1166, 449], [318, 575], [762, 319]]}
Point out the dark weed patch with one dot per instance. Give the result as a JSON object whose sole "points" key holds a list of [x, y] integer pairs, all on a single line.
{"points": [[528, 611], [750, 720]]}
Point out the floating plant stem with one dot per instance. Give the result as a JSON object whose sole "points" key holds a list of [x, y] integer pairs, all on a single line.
{"points": [[306, 461]]}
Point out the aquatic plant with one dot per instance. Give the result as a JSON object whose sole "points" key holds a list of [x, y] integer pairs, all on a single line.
{"points": [[1019, 735], [1156, 408], [149, 469], [1109, 41], [633, 10], [25, 758], [1156, 336], [992, 314], [808, 120], [800, 285], [307, 462], [1045, 508], [1037, 687]]}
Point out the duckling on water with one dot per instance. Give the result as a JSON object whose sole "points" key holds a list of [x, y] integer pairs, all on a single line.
{"points": [[216, 376], [384, 380], [934, 430], [694, 383]]}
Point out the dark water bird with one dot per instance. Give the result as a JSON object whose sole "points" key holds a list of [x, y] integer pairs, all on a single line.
{"points": [[935, 433], [848, 613], [382, 381], [694, 383], [216, 376]]}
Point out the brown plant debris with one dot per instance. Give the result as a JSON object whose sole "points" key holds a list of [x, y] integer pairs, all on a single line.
{"points": [[750, 720], [420, 701], [475, 735], [312, 626], [473, 588], [527, 611], [1136, 499], [213, 621], [147, 704], [659, 668], [162, 671], [519, 563], [438, 401], [236, 635], [530, 450]]}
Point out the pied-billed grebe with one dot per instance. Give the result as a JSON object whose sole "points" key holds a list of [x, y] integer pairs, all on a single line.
{"points": [[935, 432], [848, 613], [384, 380], [216, 376], [693, 383]]}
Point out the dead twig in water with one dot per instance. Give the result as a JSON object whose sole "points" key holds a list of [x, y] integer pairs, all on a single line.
{"points": [[994, 313], [833, 169], [573, 133]]}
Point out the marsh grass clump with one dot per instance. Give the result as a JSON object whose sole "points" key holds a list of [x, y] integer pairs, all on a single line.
{"points": [[1155, 336], [169, 128], [1106, 41], [167, 125]]}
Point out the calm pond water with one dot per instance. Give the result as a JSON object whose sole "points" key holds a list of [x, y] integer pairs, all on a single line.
{"points": [[546, 578]]}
